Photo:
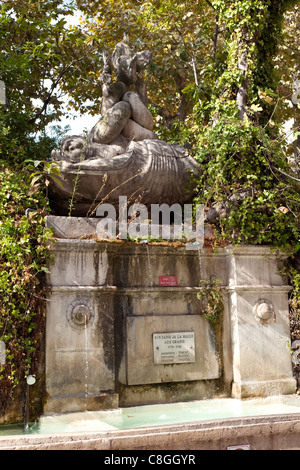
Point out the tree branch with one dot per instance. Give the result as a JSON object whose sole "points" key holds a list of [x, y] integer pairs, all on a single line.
{"points": [[210, 4], [48, 99], [53, 86], [285, 174], [217, 31]]}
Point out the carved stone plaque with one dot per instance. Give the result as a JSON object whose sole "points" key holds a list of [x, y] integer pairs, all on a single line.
{"points": [[174, 348]]}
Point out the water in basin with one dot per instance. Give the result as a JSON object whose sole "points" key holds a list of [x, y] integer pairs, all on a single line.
{"points": [[158, 415]]}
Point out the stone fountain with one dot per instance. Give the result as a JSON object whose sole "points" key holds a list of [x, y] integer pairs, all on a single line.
{"points": [[124, 322]]}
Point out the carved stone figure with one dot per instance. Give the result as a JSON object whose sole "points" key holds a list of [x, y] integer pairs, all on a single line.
{"points": [[121, 156], [150, 172]]}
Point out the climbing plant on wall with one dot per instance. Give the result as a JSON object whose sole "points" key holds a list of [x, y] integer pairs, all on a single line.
{"points": [[249, 181], [37, 51], [24, 256]]}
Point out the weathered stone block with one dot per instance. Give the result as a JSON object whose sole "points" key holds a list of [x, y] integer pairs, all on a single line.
{"points": [[141, 368], [115, 286]]}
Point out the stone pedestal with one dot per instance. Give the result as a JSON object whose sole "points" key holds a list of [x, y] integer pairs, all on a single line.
{"points": [[258, 304], [117, 336], [80, 351]]}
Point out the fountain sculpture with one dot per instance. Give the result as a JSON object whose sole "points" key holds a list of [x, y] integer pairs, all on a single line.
{"points": [[121, 155], [124, 322]]}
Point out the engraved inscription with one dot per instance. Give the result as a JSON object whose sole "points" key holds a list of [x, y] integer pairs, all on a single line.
{"points": [[174, 348]]}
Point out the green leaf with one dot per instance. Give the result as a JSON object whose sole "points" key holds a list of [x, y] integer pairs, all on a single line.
{"points": [[256, 108], [46, 270]]}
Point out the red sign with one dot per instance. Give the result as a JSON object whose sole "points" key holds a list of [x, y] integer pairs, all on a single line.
{"points": [[168, 280]]}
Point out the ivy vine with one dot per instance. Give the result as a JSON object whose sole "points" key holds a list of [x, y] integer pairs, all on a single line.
{"points": [[211, 298], [24, 257], [247, 177]]}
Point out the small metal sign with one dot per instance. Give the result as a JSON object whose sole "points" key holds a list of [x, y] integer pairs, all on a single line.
{"points": [[174, 348], [2, 93], [2, 352], [242, 447], [168, 280]]}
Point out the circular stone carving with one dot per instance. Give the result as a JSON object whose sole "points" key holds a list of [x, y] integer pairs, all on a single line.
{"points": [[79, 314], [264, 311]]}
